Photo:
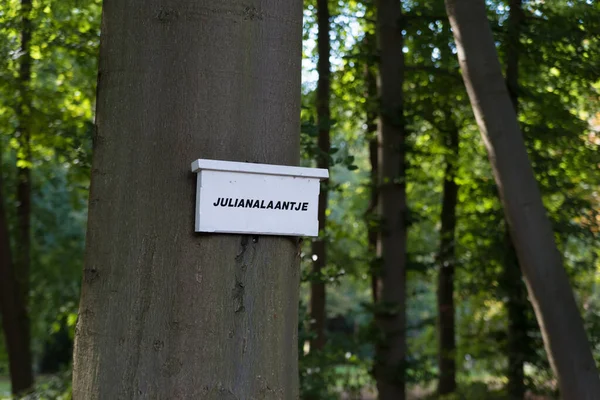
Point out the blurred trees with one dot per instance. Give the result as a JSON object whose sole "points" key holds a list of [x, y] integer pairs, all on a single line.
{"points": [[561, 325], [48, 52]]}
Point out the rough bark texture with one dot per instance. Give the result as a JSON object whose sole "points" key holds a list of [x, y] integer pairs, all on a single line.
{"points": [[446, 260], [15, 320], [319, 248], [391, 246], [165, 312], [516, 305], [547, 282]]}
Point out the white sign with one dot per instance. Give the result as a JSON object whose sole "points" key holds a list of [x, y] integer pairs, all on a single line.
{"points": [[235, 197]]}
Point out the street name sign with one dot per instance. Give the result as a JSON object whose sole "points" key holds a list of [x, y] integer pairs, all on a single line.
{"points": [[262, 199]]}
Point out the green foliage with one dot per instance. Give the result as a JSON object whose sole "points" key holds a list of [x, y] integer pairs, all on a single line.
{"points": [[558, 97], [339, 368], [57, 387]]}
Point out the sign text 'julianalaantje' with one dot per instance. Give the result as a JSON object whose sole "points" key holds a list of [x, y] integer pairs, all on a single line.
{"points": [[259, 199], [255, 203]]}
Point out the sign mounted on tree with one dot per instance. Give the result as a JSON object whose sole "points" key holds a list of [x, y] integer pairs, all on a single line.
{"points": [[265, 199]]}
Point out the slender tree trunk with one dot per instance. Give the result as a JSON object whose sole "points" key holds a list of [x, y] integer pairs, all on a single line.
{"points": [[317, 286], [516, 306], [547, 282], [371, 220], [391, 246], [446, 259], [371, 134], [515, 18], [22, 258], [15, 321], [166, 312], [14, 277]]}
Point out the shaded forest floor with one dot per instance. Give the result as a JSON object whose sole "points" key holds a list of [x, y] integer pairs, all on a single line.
{"points": [[415, 393], [420, 393]]}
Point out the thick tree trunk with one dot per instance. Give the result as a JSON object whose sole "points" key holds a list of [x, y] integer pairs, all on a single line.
{"points": [[446, 260], [391, 247], [317, 286], [166, 312], [547, 282], [516, 305], [15, 320]]}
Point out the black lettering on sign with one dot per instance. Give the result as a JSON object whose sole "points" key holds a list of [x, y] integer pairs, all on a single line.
{"points": [[257, 203]]}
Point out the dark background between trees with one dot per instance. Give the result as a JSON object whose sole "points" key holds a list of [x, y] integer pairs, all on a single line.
{"points": [[414, 288]]}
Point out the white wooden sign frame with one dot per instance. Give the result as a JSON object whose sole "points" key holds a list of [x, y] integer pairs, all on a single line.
{"points": [[262, 199]]}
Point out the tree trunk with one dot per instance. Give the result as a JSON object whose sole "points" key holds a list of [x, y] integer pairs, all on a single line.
{"points": [[446, 259], [14, 277], [319, 249], [371, 134], [515, 18], [23, 250], [15, 321], [372, 230], [547, 282], [391, 247], [516, 306], [166, 312]]}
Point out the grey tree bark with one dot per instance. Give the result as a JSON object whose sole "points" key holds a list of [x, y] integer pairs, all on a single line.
{"points": [[391, 247], [547, 282], [166, 312], [319, 247]]}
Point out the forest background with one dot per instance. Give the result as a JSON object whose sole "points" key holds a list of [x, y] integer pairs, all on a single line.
{"points": [[48, 74]]}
